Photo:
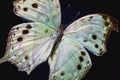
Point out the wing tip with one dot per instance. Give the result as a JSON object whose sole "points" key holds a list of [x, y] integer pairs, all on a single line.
{"points": [[2, 60], [112, 19]]}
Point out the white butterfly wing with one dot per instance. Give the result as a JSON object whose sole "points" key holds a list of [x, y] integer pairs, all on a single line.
{"points": [[69, 61], [45, 11], [29, 44], [92, 31]]}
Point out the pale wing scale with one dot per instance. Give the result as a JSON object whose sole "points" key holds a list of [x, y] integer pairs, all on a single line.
{"points": [[29, 44], [70, 61], [46, 11], [92, 31]]}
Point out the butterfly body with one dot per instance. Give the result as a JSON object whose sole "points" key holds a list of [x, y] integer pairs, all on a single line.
{"points": [[30, 44]]}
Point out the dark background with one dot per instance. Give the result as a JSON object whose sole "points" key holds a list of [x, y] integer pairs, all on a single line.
{"points": [[105, 67]]}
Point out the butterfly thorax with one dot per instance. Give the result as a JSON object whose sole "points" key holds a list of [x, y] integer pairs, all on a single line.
{"points": [[58, 39]]}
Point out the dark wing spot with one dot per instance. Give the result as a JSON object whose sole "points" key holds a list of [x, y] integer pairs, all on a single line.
{"points": [[13, 34], [62, 73], [94, 37], [12, 47], [96, 46], [101, 49], [17, 28], [25, 9], [34, 5], [85, 40], [28, 26], [104, 17], [88, 62], [104, 35], [79, 67], [81, 58], [19, 39], [25, 31], [106, 23], [46, 31], [83, 53], [91, 17], [26, 57]]}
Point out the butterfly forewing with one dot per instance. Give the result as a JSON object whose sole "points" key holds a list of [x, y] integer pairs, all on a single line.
{"points": [[92, 31], [70, 61], [46, 11], [29, 44]]}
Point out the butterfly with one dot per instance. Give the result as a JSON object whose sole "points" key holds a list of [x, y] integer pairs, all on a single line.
{"points": [[32, 43]]}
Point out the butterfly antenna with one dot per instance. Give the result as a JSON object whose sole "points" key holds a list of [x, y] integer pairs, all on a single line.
{"points": [[75, 17], [65, 12], [68, 6]]}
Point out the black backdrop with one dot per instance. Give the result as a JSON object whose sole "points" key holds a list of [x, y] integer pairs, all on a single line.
{"points": [[105, 67]]}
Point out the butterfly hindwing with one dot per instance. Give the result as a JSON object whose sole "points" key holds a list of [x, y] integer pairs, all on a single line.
{"points": [[46, 11], [29, 44], [92, 31], [69, 61]]}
